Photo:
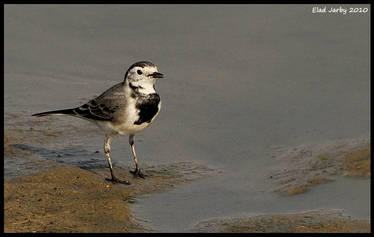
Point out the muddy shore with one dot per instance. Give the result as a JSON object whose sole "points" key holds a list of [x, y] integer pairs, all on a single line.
{"points": [[300, 168], [66, 198], [47, 191], [61, 197], [296, 171], [71, 199]]}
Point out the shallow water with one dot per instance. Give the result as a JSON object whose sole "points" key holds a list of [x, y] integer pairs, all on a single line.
{"points": [[208, 199], [239, 79]]}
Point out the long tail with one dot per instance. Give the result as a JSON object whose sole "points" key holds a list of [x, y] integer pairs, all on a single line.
{"points": [[56, 112]]}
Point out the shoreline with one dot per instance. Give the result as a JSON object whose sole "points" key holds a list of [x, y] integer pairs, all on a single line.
{"points": [[298, 169], [49, 196], [70, 199], [312, 221]]}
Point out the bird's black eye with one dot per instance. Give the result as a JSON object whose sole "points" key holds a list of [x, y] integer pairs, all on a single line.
{"points": [[139, 72]]}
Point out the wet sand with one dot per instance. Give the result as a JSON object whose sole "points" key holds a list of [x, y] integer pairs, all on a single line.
{"points": [[70, 199], [306, 166], [315, 221], [300, 168], [65, 198], [47, 195], [47, 189]]}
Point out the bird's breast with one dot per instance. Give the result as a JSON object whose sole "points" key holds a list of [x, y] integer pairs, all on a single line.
{"points": [[139, 114], [147, 107]]}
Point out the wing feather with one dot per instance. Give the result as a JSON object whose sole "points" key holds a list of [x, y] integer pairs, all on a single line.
{"points": [[104, 106]]}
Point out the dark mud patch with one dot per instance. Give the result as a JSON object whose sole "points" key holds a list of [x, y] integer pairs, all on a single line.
{"points": [[299, 168], [69, 199], [315, 221]]}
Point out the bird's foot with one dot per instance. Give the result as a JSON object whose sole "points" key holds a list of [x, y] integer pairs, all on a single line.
{"points": [[115, 180], [137, 173]]}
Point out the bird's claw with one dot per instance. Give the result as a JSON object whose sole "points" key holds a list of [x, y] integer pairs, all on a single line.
{"points": [[115, 180], [137, 173]]}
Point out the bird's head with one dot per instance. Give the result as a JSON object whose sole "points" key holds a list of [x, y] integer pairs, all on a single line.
{"points": [[142, 73]]}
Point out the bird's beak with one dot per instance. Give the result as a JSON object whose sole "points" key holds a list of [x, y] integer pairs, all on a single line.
{"points": [[157, 75]]}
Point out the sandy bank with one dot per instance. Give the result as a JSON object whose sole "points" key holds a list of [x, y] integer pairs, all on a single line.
{"points": [[70, 199]]}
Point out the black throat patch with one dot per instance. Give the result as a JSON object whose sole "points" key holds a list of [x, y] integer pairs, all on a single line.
{"points": [[148, 107]]}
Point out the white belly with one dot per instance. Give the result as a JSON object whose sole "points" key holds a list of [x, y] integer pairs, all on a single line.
{"points": [[127, 125]]}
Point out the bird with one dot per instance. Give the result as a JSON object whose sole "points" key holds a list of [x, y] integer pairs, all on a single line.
{"points": [[126, 108]]}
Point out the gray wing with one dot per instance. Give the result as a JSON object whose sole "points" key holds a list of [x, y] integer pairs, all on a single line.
{"points": [[104, 106]]}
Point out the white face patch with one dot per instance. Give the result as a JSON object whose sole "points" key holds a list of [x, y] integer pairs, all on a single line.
{"points": [[139, 77], [141, 73]]}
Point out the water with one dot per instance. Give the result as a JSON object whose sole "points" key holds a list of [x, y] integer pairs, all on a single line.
{"points": [[239, 79]]}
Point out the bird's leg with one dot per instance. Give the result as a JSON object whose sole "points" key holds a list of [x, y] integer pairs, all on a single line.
{"points": [[137, 171], [114, 179]]}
